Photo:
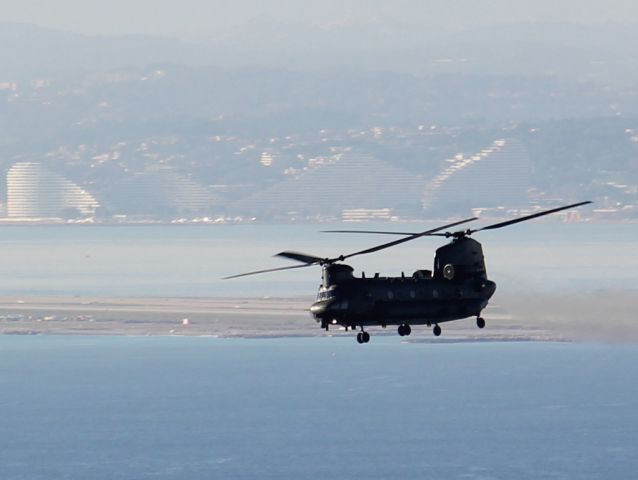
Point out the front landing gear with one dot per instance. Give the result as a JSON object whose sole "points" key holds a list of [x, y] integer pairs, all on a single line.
{"points": [[363, 337], [436, 330], [480, 322], [404, 330]]}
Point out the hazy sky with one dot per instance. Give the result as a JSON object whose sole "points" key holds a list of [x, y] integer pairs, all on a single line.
{"points": [[202, 17]]}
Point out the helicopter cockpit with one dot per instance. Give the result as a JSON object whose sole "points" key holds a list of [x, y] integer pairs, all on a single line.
{"points": [[334, 273]]}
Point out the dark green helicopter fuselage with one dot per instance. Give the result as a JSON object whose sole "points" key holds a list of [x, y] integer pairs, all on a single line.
{"points": [[456, 288]]}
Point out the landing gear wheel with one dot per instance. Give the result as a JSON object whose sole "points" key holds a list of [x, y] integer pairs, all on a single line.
{"points": [[436, 330], [363, 337], [480, 322], [404, 330]]}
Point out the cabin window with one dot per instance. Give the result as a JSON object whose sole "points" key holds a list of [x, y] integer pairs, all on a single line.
{"points": [[435, 293], [412, 294], [390, 294]]}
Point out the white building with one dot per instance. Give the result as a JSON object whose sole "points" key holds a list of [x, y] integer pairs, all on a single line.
{"points": [[340, 185], [161, 191], [497, 175], [35, 192]]}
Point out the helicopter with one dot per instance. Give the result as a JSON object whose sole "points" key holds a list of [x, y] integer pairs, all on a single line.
{"points": [[456, 288]]}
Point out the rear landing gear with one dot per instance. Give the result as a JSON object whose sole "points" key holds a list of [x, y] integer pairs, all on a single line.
{"points": [[405, 330], [480, 322], [436, 330], [363, 337]]}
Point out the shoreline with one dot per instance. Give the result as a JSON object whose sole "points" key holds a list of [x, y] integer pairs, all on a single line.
{"points": [[16, 222], [228, 317], [606, 316]]}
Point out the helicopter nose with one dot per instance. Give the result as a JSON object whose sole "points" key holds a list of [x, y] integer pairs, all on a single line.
{"points": [[318, 308], [325, 308]]}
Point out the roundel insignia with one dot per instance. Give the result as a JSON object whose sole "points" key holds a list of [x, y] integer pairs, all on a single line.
{"points": [[448, 271]]}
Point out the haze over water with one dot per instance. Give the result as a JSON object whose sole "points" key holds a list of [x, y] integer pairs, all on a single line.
{"points": [[162, 261]]}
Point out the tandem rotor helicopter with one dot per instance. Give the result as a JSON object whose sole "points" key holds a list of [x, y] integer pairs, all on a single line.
{"points": [[456, 288]]}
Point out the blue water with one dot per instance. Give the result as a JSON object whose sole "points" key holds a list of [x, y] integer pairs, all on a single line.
{"points": [[200, 408], [190, 261]]}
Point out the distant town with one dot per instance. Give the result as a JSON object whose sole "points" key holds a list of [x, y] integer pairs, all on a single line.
{"points": [[184, 144]]}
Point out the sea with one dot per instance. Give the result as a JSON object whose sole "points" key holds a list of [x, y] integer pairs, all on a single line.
{"points": [[83, 407], [116, 407]]}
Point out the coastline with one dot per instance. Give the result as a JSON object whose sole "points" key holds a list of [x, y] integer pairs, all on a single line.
{"points": [[154, 316], [220, 317], [605, 315]]}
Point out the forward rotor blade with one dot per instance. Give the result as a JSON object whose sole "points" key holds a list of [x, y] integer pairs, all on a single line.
{"points": [[300, 257], [403, 240], [268, 270], [529, 217], [369, 231], [422, 234]]}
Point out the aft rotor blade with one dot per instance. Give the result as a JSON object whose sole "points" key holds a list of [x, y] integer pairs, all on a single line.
{"points": [[529, 217], [268, 270], [300, 257], [403, 240]]}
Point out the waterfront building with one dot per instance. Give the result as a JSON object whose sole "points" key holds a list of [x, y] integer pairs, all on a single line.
{"points": [[34, 191], [163, 192], [495, 176], [336, 187]]}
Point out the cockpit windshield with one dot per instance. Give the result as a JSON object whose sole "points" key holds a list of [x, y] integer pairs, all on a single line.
{"points": [[323, 294]]}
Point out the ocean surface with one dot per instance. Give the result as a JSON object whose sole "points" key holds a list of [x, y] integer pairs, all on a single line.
{"points": [[189, 261], [95, 408]]}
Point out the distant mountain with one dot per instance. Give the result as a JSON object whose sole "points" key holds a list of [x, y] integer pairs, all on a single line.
{"points": [[595, 52], [30, 51], [601, 53]]}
